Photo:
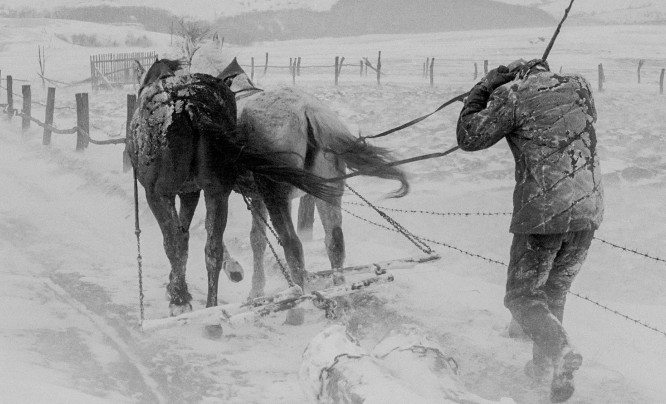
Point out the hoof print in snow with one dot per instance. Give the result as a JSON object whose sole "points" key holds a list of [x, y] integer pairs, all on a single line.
{"points": [[295, 316]]}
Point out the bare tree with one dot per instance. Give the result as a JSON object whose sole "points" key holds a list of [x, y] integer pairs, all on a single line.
{"points": [[42, 63], [192, 34]]}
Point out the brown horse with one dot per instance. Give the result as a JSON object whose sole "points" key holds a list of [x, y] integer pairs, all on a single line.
{"points": [[183, 140], [314, 139]]}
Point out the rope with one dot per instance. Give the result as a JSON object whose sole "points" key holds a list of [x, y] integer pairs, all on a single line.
{"points": [[490, 260], [283, 268], [417, 120], [397, 226], [139, 260], [73, 130], [394, 163]]}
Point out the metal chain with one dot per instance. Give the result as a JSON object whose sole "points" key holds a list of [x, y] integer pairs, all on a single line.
{"points": [[426, 239], [423, 350], [139, 259], [283, 269], [631, 250], [399, 228], [326, 371], [427, 212], [639, 322]]}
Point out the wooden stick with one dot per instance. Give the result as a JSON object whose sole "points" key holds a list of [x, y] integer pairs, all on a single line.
{"points": [[10, 97], [48, 120], [432, 67], [27, 107], [379, 68], [82, 121], [557, 32]]}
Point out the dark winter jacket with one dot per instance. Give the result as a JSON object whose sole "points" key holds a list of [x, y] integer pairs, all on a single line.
{"points": [[547, 120]]}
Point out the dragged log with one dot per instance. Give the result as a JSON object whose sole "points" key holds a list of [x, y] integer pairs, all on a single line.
{"points": [[337, 370], [418, 361], [405, 367]]}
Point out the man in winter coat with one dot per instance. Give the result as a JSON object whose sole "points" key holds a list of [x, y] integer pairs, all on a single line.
{"points": [[547, 120]]}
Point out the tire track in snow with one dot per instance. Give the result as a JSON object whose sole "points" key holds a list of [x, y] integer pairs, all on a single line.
{"points": [[107, 330]]}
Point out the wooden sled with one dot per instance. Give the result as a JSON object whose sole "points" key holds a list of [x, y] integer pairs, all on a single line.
{"points": [[239, 313]]}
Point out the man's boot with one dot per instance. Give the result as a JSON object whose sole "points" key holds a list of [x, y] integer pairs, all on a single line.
{"points": [[540, 368], [564, 367]]}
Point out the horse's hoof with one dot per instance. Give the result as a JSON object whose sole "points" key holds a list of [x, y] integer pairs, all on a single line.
{"points": [[213, 331], [295, 316], [234, 270], [177, 310], [255, 294]]}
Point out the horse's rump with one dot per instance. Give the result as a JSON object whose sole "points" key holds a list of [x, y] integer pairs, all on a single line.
{"points": [[171, 115], [302, 127]]}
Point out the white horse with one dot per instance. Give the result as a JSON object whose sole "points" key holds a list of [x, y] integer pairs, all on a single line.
{"points": [[308, 135]]}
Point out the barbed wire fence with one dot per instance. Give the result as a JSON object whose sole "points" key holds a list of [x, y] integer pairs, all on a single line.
{"points": [[504, 264]]}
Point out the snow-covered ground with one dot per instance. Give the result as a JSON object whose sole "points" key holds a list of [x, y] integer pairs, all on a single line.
{"points": [[69, 329]]}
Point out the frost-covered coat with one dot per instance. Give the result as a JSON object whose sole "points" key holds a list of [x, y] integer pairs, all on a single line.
{"points": [[547, 120]]}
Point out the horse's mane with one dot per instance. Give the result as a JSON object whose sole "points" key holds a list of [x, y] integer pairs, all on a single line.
{"points": [[172, 64], [159, 69]]}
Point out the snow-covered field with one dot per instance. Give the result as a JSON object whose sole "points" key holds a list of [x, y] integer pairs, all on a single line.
{"points": [[69, 328]]}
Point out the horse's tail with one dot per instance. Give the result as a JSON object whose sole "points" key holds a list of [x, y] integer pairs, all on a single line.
{"points": [[270, 166], [359, 156]]}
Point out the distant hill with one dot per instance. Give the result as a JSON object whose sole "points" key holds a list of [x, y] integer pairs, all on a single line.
{"points": [[354, 17], [602, 11]]}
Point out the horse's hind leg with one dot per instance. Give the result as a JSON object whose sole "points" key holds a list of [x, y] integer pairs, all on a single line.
{"points": [[217, 201], [258, 242], [331, 218], [279, 209], [188, 204], [175, 245]]}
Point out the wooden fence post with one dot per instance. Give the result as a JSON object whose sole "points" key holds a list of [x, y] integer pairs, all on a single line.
{"points": [[252, 70], [337, 60], [131, 106], [82, 121], [476, 70], [485, 67], [290, 64], [661, 81], [342, 61], [293, 73], [602, 77], [27, 107], [432, 77], [298, 67], [379, 68], [306, 210], [638, 72], [48, 119], [10, 97], [266, 66]]}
